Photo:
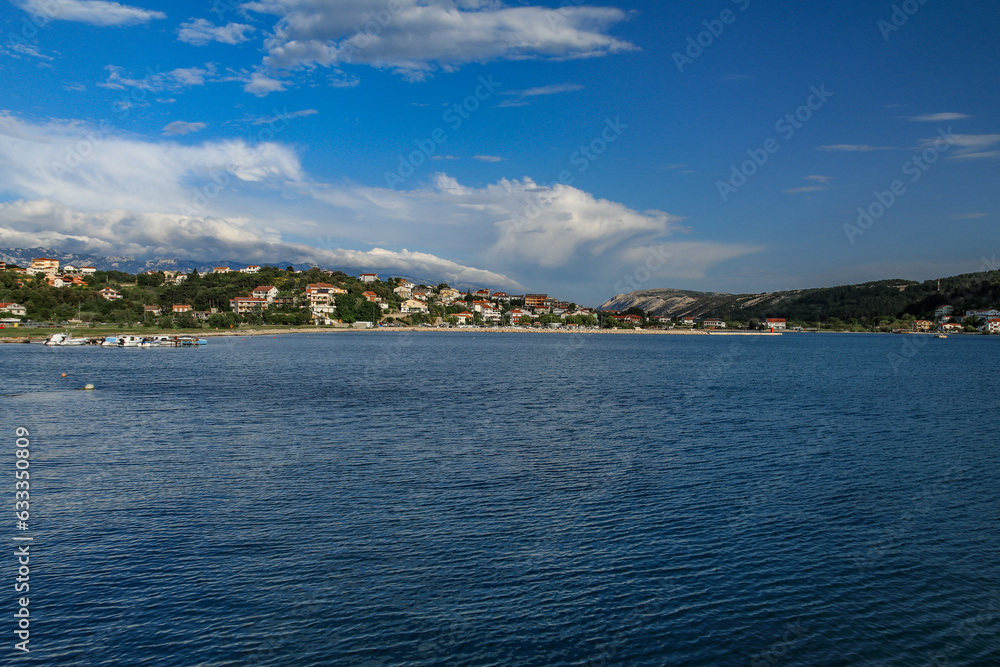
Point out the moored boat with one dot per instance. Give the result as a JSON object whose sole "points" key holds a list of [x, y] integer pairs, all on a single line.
{"points": [[64, 339]]}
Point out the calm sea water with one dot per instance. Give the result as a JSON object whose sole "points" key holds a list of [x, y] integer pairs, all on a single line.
{"points": [[524, 499]]}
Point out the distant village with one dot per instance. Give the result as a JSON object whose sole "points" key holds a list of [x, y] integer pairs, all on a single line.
{"points": [[227, 297]]}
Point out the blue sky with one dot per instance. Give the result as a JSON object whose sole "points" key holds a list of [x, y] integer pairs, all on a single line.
{"points": [[577, 149]]}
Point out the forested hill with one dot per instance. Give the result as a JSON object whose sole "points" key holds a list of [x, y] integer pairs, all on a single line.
{"points": [[864, 302]]}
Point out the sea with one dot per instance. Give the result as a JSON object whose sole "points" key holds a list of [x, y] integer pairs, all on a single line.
{"points": [[478, 498]]}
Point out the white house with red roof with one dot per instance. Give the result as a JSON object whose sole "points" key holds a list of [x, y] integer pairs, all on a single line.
{"points": [[110, 294], [993, 325], [714, 324], [775, 323], [247, 304], [368, 277], [267, 292]]}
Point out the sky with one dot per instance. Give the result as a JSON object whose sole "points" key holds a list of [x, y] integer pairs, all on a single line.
{"points": [[572, 148]]}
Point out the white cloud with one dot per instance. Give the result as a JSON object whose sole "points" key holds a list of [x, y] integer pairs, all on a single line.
{"points": [[182, 127], [819, 179], [940, 117], [854, 148], [261, 84], [157, 81], [520, 95], [968, 146], [94, 12], [416, 37], [200, 32], [489, 158], [51, 224], [285, 115]]}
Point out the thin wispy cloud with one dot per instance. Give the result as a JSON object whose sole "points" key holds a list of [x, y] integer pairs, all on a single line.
{"points": [[519, 98], [488, 158], [94, 12], [969, 146], [968, 216], [940, 117], [854, 148], [182, 127]]}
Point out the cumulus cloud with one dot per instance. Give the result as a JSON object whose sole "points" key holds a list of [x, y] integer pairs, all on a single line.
{"points": [[182, 127], [94, 12], [416, 37], [200, 32], [48, 223], [76, 183]]}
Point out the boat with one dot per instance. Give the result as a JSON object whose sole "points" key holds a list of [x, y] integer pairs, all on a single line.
{"points": [[191, 340], [129, 341], [111, 341], [940, 336], [64, 339], [149, 341]]}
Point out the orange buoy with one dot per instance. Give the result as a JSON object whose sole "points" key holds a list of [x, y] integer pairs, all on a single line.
{"points": [[63, 375]]}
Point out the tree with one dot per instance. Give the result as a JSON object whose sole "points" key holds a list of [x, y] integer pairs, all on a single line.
{"points": [[166, 322]]}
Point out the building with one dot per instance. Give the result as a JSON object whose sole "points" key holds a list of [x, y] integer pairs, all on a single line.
{"points": [[943, 312], [634, 319], [267, 292], [775, 323], [993, 325], [322, 293], [88, 270], [43, 265], [180, 308], [517, 314], [153, 310], [110, 294], [482, 294], [253, 268], [691, 321], [368, 277], [950, 326], [922, 325], [69, 268], [535, 300], [714, 324], [221, 269], [464, 317], [983, 315], [14, 309], [413, 306], [247, 304]]}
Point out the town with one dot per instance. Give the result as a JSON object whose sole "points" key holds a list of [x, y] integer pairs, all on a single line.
{"points": [[46, 293]]}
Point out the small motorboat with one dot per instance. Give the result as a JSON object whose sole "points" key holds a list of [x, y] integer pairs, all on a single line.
{"points": [[64, 339], [940, 336]]}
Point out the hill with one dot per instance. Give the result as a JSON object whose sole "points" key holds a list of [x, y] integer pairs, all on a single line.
{"points": [[864, 302]]}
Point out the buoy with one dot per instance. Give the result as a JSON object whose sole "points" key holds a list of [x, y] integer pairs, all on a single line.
{"points": [[63, 375], [88, 386]]}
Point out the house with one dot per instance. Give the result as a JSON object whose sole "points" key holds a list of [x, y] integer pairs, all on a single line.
{"points": [[535, 300], [921, 325], [88, 270], [14, 309], [153, 310], [110, 294], [402, 291], [3, 266], [179, 278], [950, 326], [775, 323], [253, 268], [663, 319], [180, 308], [420, 294], [322, 293], [368, 277], [714, 324], [482, 294], [517, 314], [267, 292], [634, 319], [371, 296], [55, 281], [405, 284], [69, 268], [247, 304], [691, 321], [983, 315], [943, 312], [44, 265], [993, 325], [490, 314], [449, 293], [413, 306], [221, 269], [75, 281], [464, 317]]}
